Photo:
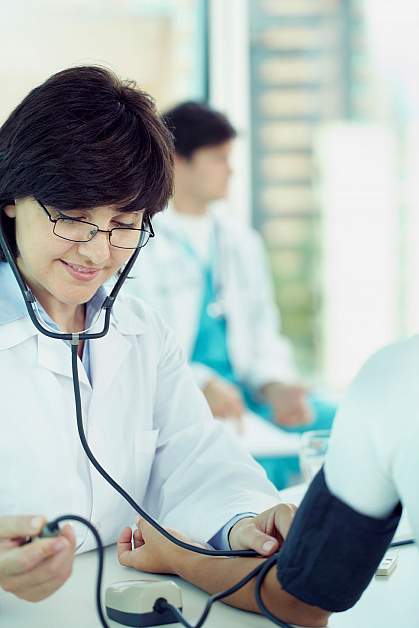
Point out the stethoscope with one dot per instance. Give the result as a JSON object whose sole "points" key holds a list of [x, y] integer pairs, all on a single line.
{"points": [[52, 527], [216, 309]]}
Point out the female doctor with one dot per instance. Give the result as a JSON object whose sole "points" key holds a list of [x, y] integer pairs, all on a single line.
{"points": [[85, 163]]}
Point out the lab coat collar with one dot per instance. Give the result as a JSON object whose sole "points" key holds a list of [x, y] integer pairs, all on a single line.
{"points": [[106, 354], [16, 327], [16, 332], [106, 357], [12, 305], [167, 224], [55, 355], [13, 308], [128, 315]]}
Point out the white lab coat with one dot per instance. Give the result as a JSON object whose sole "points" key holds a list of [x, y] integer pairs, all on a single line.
{"points": [[169, 278], [146, 422]]}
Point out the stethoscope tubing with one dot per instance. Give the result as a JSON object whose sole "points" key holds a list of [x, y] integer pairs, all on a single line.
{"points": [[75, 339]]}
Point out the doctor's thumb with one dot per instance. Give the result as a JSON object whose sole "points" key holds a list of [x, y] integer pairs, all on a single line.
{"points": [[262, 543]]}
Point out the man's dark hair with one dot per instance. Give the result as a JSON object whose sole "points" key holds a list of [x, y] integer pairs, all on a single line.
{"points": [[195, 125], [84, 139]]}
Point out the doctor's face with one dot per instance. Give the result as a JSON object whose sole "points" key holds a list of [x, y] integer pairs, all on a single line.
{"points": [[60, 270]]}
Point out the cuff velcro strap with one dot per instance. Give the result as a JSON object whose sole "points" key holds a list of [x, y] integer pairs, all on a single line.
{"points": [[332, 551]]}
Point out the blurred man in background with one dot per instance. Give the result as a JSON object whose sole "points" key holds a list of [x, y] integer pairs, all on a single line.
{"points": [[207, 275]]}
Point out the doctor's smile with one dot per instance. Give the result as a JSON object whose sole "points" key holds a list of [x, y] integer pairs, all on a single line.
{"points": [[81, 272]]}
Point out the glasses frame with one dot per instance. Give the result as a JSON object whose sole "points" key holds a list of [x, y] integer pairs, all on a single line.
{"points": [[148, 230]]}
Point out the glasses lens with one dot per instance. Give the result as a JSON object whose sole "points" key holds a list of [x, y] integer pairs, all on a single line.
{"points": [[74, 230], [129, 238]]}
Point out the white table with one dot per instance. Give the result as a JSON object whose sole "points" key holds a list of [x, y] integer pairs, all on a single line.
{"points": [[388, 602], [74, 604]]}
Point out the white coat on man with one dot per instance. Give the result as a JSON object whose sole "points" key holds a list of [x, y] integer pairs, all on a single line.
{"points": [[171, 279]]}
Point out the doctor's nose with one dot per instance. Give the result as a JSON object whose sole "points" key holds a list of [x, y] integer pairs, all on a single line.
{"points": [[97, 250]]}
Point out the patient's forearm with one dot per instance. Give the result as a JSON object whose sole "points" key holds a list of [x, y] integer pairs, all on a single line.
{"points": [[216, 574]]}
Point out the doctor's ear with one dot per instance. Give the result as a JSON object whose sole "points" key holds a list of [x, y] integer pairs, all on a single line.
{"points": [[10, 210]]}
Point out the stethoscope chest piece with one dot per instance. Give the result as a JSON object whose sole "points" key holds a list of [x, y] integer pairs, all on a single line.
{"points": [[216, 309]]}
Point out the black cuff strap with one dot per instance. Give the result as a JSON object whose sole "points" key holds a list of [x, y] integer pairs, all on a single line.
{"points": [[332, 551]]}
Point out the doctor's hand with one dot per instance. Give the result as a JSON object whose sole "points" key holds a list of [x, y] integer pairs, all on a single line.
{"points": [[33, 571], [289, 404], [264, 533], [224, 399], [148, 550]]}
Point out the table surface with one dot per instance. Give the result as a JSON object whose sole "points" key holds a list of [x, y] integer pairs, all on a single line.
{"points": [[388, 602], [263, 439]]}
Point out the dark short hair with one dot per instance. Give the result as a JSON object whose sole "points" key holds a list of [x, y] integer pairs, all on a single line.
{"points": [[195, 125], [84, 139]]}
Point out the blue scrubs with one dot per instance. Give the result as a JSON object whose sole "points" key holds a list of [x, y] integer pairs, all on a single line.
{"points": [[211, 349]]}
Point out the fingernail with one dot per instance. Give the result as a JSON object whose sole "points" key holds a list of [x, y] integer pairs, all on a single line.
{"points": [[36, 522], [138, 519], [268, 546]]}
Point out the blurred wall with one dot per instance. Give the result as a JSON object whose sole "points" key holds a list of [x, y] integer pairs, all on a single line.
{"points": [[151, 43]]}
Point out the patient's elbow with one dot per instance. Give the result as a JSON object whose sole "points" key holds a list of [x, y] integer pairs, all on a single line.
{"points": [[289, 608]]}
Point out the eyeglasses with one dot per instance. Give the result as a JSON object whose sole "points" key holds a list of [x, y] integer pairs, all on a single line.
{"points": [[77, 230]]}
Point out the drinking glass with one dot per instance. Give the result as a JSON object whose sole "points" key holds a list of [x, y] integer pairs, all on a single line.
{"points": [[313, 448]]}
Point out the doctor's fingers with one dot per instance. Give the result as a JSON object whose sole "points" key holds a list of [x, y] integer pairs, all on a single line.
{"points": [[231, 412], [283, 517], [307, 412], [21, 560], [237, 410], [44, 579], [9, 544], [24, 559], [301, 416], [233, 406], [227, 409], [12, 527], [265, 533], [249, 536]]}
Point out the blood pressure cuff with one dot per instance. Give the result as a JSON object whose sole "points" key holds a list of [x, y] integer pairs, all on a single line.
{"points": [[332, 551]]}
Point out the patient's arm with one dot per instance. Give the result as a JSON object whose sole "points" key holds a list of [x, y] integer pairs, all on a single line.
{"points": [[154, 553], [217, 574]]}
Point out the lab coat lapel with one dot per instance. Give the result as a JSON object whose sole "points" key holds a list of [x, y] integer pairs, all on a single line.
{"points": [[233, 287], [55, 355], [106, 357], [181, 281], [16, 332]]}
